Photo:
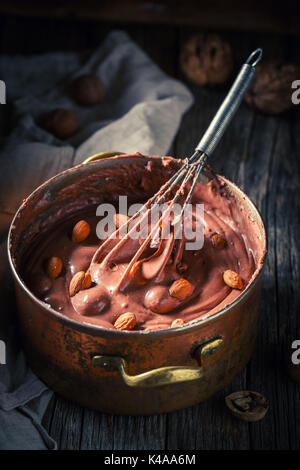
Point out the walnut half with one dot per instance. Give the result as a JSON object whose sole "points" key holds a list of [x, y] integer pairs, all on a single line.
{"points": [[271, 90]]}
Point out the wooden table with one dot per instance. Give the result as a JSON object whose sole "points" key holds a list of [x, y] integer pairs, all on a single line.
{"points": [[259, 153]]}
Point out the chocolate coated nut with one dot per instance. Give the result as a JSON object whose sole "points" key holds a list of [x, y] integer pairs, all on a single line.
{"points": [[158, 300], [40, 284], [91, 302]]}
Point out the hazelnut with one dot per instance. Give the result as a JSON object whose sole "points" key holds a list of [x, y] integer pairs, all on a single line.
{"points": [[206, 59], [60, 122], [88, 90], [271, 89]]}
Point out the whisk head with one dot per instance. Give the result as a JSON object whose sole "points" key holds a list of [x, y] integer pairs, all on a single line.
{"points": [[143, 264], [157, 244]]}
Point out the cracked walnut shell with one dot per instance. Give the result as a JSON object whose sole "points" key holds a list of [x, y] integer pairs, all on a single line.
{"points": [[206, 59], [271, 91]]}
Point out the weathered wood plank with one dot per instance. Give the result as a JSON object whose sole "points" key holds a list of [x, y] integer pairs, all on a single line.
{"points": [[209, 425], [66, 424], [271, 181], [97, 431], [259, 369], [245, 155], [289, 285], [140, 432]]}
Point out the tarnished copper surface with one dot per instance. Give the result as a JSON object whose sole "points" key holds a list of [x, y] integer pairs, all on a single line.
{"points": [[61, 351]]}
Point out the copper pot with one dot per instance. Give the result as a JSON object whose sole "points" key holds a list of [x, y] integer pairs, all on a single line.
{"points": [[123, 372]]}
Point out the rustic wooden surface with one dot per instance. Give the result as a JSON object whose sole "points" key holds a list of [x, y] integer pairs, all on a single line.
{"points": [[249, 15], [262, 155]]}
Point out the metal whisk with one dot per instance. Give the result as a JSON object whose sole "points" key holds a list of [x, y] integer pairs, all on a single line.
{"points": [[187, 174]]}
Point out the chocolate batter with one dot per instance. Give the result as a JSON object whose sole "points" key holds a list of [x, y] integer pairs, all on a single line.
{"points": [[146, 291]]}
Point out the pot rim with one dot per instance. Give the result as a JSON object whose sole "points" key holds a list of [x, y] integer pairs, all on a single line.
{"points": [[107, 332]]}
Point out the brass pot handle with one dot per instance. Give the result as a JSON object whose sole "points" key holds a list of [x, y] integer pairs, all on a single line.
{"points": [[163, 375], [100, 155]]}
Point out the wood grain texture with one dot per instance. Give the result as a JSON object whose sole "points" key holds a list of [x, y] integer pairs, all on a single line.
{"points": [[261, 155]]}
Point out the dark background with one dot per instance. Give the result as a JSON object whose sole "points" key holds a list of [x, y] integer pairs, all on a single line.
{"points": [[260, 153]]}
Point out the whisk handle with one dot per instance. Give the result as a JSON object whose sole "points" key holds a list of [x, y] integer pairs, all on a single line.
{"points": [[230, 105]]}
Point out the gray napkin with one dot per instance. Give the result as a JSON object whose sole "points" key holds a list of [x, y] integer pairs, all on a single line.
{"points": [[141, 112]]}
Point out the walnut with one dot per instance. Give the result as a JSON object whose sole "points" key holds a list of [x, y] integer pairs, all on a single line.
{"points": [[271, 89], [60, 122], [206, 59], [88, 90]]}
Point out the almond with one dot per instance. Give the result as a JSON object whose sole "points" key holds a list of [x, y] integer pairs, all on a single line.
{"points": [[177, 322], [120, 219], [80, 231], [54, 267], [126, 321], [76, 283], [218, 241], [232, 279], [180, 289], [87, 281]]}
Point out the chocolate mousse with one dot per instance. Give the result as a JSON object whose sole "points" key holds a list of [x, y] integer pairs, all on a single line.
{"points": [[168, 285]]}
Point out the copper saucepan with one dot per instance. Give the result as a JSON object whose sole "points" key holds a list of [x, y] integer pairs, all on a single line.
{"points": [[123, 372]]}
